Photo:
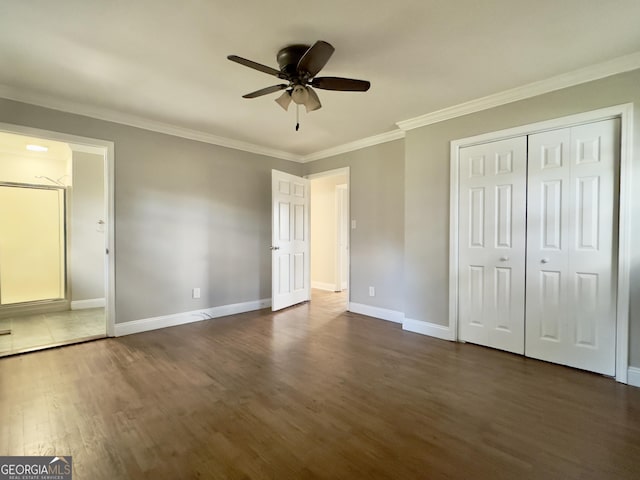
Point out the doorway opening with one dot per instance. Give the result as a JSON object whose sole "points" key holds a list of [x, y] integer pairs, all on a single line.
{"points": [[54, 214], [330, 236]]}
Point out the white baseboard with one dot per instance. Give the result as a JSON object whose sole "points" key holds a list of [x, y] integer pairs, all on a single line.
{"points": [[90, 303], [633, 377], [376, 312], [146, 324], [427, 328], [330, 287]]}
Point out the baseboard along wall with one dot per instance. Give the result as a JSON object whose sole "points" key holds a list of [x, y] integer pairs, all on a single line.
{"points": [[90, 303], [329, 287], [415, 326], [428, 328], [376, 312], [154, 323]]}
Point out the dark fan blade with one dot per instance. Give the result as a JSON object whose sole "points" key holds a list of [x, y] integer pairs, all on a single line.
{"points": [[265, 91], [256, 66], [343, 84], [315, 58]]}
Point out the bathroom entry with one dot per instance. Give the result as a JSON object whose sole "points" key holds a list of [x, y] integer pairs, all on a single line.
{"points": [[52, 243]]}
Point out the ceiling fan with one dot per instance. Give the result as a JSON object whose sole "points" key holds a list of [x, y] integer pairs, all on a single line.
{"points": [[299, 65]]}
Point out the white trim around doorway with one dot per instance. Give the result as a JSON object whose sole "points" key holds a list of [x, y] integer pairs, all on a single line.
{"points": [[625, 113], [93, 145], [341, 194], [330, 173]]}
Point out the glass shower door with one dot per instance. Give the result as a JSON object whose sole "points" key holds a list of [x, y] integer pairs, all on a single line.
{"points": [[32, 244]]}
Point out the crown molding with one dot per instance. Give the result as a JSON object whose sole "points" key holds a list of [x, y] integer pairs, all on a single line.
{"points": [[576, 77], [583, 75], [356, 145], [108, 115]]}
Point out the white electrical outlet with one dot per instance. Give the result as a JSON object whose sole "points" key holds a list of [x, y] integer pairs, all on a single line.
{"points": [[353, 224], [372, 291], [196, 292]]}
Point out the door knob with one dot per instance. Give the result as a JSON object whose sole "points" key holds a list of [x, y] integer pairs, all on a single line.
{"points": [[544, 260], [274, 247], [504, 259]]}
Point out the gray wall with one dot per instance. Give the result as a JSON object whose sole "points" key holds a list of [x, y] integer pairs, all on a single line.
{"points": [[427, 189], [188, 214], [377, 204], [86, 237], [191, 214]]}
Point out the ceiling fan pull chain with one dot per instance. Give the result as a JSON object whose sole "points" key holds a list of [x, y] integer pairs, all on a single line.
{"points": [[297, 117]]}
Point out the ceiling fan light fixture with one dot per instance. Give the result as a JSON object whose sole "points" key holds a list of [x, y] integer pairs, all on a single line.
{"points": [[299, 64], [300, 95], [284, 100], [313, 102]]}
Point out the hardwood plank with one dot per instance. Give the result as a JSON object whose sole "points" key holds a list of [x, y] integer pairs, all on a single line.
{"points": [[313, 392]]}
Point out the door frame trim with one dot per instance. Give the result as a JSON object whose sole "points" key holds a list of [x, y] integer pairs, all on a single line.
{"points": [[342, 228], [625, 113], [108, 149]]}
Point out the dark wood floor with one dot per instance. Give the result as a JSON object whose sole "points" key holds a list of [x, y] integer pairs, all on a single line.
{"points": [[313, 393]]}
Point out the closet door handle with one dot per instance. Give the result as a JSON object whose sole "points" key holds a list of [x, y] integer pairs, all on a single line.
{"points": [[504, 259], [544, 260]]}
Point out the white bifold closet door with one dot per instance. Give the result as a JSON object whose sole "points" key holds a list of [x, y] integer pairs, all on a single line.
{"points": [[492, 243], [537, 236], [571, 233]]}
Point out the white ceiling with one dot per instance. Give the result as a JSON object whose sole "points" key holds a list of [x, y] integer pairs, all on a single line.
{"points": [[165, 61]]}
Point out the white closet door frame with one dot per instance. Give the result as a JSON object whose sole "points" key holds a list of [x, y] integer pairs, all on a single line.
{"points": [[625, 113]]}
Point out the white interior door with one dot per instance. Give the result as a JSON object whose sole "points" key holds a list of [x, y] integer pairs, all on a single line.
{"points": [[492, 244], [290, 240], [571, 233]]}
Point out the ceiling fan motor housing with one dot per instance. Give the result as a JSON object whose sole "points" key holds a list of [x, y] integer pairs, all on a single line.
{"points": [[288, 58]]}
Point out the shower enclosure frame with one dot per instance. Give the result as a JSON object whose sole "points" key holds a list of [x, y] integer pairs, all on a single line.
{"points": [[50, 304]]}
